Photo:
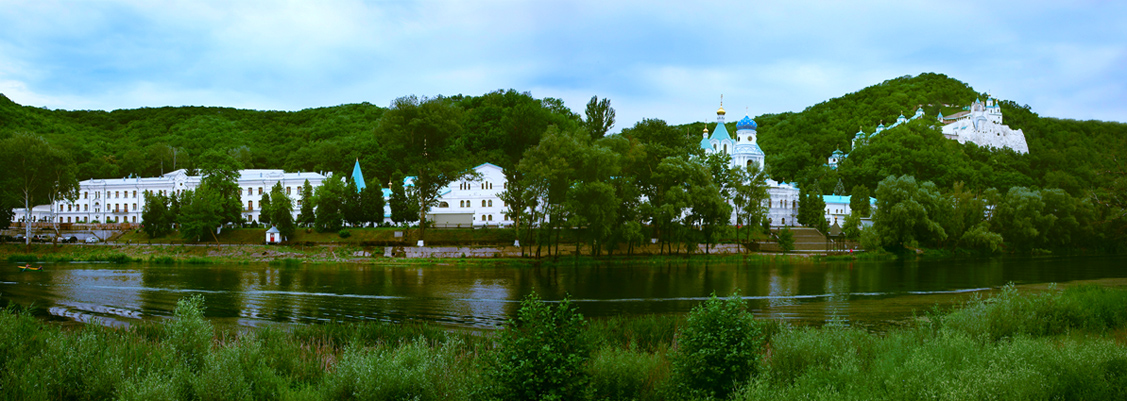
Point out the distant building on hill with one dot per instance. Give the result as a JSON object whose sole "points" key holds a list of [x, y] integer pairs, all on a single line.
{"points": [[981, 124]]}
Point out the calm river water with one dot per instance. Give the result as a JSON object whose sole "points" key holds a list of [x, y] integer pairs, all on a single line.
{"points": [[869, 294]]}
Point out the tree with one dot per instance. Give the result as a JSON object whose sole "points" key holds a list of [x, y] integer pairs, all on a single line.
{"points": [[907, 213], [352, 210], [402, 209], [812, 209], [156, 215], [427, 130], [859, 201], [329, 200], [600, 117], [200, 214], [372, 203], [215, 202], [265, 209], [306, 216], [37, 171], [750, 198], [281, 211]]}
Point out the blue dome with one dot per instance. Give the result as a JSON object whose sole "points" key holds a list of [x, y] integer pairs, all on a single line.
{"points": [[746, 123]]}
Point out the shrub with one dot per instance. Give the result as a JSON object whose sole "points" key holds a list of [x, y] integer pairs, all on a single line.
{"points": [[718, 348], [412, 371], [344, 234], [189, 334], [786, 239], [540, 354]]}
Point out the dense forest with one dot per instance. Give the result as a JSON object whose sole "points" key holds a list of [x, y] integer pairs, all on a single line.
{"points": [[1080, 160]]}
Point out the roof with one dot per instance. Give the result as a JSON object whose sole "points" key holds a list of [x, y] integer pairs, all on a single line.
{"points": [[273, 229], [721, 133], [843, 199], [746, 123], [358, 177]]}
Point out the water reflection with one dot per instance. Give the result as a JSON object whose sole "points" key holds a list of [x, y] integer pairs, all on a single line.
{"points": [[846, 292]]}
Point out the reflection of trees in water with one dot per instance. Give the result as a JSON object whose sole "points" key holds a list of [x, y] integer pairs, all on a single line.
{"points": [[782, 289], [837, 288]]}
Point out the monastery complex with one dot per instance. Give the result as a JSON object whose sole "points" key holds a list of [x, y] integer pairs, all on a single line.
{"points": [[466, 203]]}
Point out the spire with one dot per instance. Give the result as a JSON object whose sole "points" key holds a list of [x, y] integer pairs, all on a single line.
{"points": [[358, 177]]}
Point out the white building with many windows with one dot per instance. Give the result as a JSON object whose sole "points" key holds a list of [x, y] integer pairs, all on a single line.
{"points": [[121, 200]]}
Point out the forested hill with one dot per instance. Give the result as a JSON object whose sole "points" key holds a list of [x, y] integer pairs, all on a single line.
{"points": [[495, 127], [1072, 155]]}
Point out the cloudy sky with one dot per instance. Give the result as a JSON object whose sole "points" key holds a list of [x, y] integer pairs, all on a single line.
{"points": [[653, 59]]}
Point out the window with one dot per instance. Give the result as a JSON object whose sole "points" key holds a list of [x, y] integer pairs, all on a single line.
{"points": [[68, 208], [490, 217], [250, 191], [134, 193], [126, 206], [504, 216], [86, 207], [490, 203], [134, 219], [260, 190], [134, 206], [483, 203], [443, 204], [288, 190], [68, 219], [116, 194], [250, 205], [85, 195]]}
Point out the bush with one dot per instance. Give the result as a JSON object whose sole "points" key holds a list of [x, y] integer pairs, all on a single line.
{"points": [[344, 234], [540, 354], [718, 348], [189, 333], [412, 371], [786, 239]]}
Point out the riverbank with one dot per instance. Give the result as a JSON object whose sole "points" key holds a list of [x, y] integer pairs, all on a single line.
{"points": [[355, 254], [1051, 344]]}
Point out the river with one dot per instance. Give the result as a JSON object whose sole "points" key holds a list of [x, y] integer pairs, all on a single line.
{"points": [[466, 295]]}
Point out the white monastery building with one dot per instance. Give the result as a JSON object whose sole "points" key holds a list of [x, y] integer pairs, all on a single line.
{"points": [[982, 124], [121, 200]]}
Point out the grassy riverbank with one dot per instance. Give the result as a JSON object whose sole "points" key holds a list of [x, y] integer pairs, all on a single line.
{"points": [[1066, 344]]}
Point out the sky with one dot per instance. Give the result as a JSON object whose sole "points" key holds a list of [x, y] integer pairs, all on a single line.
{"points": [[653, 59]]}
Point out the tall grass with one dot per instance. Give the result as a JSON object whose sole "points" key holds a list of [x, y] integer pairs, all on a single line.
{"points": [[1054, 345]]}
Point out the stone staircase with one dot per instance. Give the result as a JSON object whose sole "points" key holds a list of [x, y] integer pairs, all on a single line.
{"points": [[805, 240]]}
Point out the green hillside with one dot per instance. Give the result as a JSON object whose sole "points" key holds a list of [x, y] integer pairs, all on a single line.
{"points": [[148, 141]]}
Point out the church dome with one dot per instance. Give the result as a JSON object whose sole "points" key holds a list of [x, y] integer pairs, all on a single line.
{"points": [[721, 111], [746, 123]]}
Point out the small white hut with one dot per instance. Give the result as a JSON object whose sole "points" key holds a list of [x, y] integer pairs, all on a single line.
{"points": [[273, 236]]}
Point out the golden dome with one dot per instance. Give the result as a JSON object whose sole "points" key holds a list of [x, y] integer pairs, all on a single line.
{"points": [[721, 111], [706, 129]]}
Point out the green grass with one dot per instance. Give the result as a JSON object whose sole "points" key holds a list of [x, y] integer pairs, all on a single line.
{"points": [[1059, 344]]}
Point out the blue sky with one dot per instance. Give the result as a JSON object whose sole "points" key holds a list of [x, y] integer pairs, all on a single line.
{"points": [[653, 59]]}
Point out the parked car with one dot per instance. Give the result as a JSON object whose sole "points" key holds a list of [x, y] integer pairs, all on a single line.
{"points": [[71, 239], [91, 239]]}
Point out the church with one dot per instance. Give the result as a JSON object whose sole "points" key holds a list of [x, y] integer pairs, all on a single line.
{"points": [[745, 151], [982, 124]]}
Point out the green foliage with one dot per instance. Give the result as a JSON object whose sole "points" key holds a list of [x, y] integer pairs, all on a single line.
{"points": [[908, 214], [812, 208], [540, 355], [372, 203], [329, 201], [627, 374], [718, 348], [1011, 314], [786, 239], [157, 215], [36, 171], [344, 234], [859, 201], [189, 334], [306, 215], [403, 210], [600, 117], [281, 211]]}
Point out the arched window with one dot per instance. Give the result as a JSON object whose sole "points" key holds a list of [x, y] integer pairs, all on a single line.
{"points": [[483, 203], [749, 163], [443, 204], [490, 203]]}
